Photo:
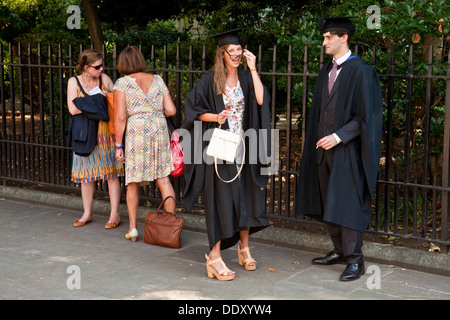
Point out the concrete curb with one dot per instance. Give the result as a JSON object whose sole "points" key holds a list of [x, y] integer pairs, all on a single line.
{"points": [[436, 263]]}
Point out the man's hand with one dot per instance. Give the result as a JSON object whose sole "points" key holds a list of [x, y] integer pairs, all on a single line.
{"points": [[327, 142]]}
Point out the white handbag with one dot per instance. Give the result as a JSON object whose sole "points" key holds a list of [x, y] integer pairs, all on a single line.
{"points": [[223, 145]]}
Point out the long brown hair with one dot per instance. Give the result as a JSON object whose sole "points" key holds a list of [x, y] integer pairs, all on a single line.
{"points": [[220, 76]]}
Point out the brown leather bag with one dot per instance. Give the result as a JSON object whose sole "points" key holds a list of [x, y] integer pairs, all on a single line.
{"points": [[163, 228]]}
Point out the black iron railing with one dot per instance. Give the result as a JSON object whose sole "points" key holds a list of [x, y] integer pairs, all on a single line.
{"points": [[412, 194]]}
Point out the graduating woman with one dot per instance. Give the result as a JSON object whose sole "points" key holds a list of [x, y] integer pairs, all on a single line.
{"points": [[237, 100]]}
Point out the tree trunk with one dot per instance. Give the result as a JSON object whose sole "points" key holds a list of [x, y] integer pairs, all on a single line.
{"points": [[94, 26]]}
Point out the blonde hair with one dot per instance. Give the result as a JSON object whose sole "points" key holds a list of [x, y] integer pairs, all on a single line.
{"points": [[221, 73], [131, 60], [87, 58]]}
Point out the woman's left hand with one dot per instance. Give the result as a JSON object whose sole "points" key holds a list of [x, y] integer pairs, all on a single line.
{"points": [[251, 59], [120, 155]]}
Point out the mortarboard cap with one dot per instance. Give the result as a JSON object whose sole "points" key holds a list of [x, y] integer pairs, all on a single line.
{"points": [[229, 37], [343, 24]]}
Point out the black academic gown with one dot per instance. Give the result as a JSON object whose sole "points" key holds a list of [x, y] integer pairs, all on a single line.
{"points": [[229, 207], [356, 159]]}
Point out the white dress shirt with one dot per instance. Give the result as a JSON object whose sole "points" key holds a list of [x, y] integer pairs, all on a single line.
{"points": [[340, 61]]}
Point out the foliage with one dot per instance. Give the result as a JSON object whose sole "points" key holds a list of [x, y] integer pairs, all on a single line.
{"points": [[39, 21], [119, 15], [410, 26], [14, 16], [157, 33]]}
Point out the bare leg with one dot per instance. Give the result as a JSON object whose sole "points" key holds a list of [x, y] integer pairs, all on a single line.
{"points": [[114, 197], [244, 235], [166, 189], [87, 194], [132, 203]]}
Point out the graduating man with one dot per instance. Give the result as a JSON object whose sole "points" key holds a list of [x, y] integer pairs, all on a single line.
{"points": [[342, 149]]}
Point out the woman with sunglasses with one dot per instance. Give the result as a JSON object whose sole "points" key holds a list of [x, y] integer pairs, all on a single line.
{"points": [[237, 100], [100, 164]]}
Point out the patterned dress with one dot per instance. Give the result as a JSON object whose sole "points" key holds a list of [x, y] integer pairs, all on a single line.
{"points": [[101, 164], [147, 145], [233, 99]]}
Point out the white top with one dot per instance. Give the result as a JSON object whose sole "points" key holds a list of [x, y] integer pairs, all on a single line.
{"points": [[340, 61]]}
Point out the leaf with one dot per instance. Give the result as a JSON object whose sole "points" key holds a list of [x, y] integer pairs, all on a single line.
{"points": [[434, 248], [416, 38]]}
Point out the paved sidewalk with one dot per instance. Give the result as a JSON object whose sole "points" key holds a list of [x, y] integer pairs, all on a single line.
{"points": [[44, 257]]}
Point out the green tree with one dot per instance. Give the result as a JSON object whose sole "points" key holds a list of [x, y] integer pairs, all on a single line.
{"points": [[42, 21], [417, 26]]}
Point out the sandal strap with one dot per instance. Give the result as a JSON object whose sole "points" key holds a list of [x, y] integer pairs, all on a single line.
{"points": [[249, 258], [224, 270], [246, 250]]}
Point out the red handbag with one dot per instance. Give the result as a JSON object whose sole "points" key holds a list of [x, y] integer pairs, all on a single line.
{"points": [[177, 155]]}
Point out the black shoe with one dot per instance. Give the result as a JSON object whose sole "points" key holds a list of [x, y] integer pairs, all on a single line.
{"points": [[330, 258], [353, 271]]}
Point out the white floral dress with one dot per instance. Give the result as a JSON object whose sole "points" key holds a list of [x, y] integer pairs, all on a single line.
{"points": [[233, 99]]}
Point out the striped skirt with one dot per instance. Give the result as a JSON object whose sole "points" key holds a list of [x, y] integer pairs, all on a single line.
{"points": [[101, 164]]}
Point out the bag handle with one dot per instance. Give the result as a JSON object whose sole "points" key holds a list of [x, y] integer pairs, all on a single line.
{"points": [[80, 86], [162, 203], [240, 167]]}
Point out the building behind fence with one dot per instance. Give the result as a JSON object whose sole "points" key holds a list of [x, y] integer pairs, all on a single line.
{"points": [[412, 194]]}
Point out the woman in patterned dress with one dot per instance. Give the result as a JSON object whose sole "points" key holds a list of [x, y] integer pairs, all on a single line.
{"points": [[142, 103], [237, 100], [100, 164]]}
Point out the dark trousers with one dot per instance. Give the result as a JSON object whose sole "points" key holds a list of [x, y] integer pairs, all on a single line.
{"points": [[345, 241]]}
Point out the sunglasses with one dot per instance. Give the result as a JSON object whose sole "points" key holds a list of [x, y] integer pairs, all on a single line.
{"points": [[234, 56], [97, 67]]}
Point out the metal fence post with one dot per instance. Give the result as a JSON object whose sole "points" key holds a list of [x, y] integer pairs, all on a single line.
{"points": [[446, 161]]}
